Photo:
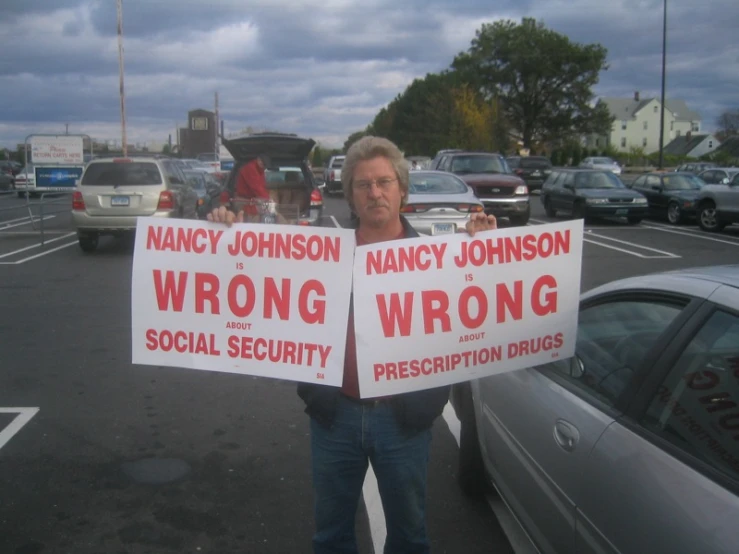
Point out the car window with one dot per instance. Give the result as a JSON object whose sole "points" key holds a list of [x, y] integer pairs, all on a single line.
{"points": [[735, 180], [640, 182], [337, 163], [122, 174], [535, 163], [513, 163], [696, 408], [437, 184], [569, 179], [479, 164], [681, 182], [597, 180], [174, 173], [551, 179], [195, 179], [652, 181], [612, 341]]}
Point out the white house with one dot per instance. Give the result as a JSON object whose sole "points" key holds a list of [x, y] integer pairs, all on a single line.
{"points": [[636, 123]]}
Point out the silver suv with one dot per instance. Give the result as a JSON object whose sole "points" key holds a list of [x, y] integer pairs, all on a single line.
{"points": [[718, 202], [114, 192]]}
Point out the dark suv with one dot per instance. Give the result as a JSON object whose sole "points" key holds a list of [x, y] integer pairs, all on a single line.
{"points": [[501, 192], [534, 170]]}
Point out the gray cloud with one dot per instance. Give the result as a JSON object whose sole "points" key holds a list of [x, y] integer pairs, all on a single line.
{"points": [[322, 69]]}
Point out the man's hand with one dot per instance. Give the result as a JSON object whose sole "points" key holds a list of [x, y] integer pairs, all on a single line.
{"points": [[480, 222], [224, 215]]}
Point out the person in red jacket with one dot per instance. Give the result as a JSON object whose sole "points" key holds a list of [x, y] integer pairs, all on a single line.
{"points": [[251, 184]]}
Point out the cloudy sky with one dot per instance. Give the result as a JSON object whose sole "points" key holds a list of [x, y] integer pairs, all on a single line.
{"points": [[319, 68]]}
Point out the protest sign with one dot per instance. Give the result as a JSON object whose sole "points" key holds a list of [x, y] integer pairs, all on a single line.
{"points": [[257, 299], [439, 310]]}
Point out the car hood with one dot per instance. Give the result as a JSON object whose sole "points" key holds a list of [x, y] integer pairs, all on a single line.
{"points": [[473, 179], [276, 146], [608, 193]]}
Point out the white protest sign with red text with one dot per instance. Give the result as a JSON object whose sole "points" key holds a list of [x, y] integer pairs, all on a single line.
{"points": [[267, 300], [438, 310]]}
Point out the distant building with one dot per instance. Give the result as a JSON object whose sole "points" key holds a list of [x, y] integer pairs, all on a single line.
{"points": [[636, 123], [199, 137], [692, 146]]}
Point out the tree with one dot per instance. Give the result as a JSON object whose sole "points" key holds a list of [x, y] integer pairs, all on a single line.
{"points": [[354, 137], [166, 149], [728, 124], [542, 79]]}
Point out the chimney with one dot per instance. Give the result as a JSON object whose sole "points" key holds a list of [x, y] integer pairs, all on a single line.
{"points": [[636, 95]]}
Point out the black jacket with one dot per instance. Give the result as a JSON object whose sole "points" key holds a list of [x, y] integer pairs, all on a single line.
{"points": [[415, 411]]}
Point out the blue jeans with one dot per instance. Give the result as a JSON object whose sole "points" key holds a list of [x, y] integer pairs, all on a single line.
{"points": [[363, 434]]}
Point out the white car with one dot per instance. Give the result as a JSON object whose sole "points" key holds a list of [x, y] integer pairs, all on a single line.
{"points": [[601, 163]]}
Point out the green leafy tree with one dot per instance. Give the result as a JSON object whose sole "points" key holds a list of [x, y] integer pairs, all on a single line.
{"points": [[727, 124], [542, 79], [354, 137]]}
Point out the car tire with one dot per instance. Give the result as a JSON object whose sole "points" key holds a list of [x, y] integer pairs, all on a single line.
{"points": [[520, 220], [551, 212], [471, 475], [707, 219], [634, 220], [88, 243], [674, 213], [578, 211]]}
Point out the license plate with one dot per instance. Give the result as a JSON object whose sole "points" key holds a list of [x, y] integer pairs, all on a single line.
{"points": [[120, 201], [443, 228], [622, 212]]}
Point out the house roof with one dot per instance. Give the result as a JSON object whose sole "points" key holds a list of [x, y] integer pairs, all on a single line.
{"points": [[683, 145], [730, 145], [627, 108]]}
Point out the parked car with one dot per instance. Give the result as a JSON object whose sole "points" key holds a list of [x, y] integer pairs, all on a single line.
{"points": [[439, 203], [502, 193], [718, 202], [332, 175], [25, 179], [289, 178], [695, 167], [207, 191], [670, 195], [630, 446], [602, 163], [584, 193], [532, 169], [114, 192]]}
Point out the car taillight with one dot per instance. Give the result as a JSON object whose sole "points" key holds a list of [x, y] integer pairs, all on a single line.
{"points": [[413, 208], [472, 208], [166, 201], [315, 198], [78, 203]]}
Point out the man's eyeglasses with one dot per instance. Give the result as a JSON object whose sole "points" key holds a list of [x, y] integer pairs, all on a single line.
{"points": [[383, 183]]}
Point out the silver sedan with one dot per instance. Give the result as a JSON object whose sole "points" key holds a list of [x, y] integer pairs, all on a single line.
{"points": [[439, 203]]}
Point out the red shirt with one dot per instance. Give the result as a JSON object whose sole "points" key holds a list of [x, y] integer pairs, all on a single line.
{"points": [[251, 183], [350, 384]]}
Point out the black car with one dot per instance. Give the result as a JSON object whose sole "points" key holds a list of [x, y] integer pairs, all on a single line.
{"points": [[534, 170], [584, 193], [670, 194], [290, 181]]}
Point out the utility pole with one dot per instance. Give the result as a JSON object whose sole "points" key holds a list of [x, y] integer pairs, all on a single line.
{"points": [[217, 148], [119, 6], [662, 101]]}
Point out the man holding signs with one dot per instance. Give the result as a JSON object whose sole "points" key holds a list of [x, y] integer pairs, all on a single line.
{"points": [[392, 432]]}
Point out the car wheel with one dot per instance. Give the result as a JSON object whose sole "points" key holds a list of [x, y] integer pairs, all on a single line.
{"points": [[88, 243], [471, 471], [707, 218], [578, 211], [551, 212], [674, 215], [634, 220]]}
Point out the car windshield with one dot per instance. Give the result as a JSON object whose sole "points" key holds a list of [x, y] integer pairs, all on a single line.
{"points": [[195, 179], [598, 180], [535, 163], [436, 184], [122, 173], [603, 161], [682, 182], [479, 164]]}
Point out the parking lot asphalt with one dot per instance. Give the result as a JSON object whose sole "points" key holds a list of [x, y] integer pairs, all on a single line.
{"points": [[99, 455]]}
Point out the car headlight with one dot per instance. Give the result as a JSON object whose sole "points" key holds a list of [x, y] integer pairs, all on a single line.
{"points": [[521, 189], [596, 200], [640, 200]]}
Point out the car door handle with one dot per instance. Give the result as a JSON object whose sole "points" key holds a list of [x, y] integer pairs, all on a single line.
{"points": [[566, 435]]}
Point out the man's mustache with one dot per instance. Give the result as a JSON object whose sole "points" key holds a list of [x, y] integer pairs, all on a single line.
{"points": [[373, 205]]}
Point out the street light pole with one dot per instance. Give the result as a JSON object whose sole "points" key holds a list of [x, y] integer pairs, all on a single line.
{"points": [[119, 6], [662, 101]]}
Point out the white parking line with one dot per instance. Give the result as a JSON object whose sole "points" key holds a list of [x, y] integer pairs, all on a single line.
{"points": [[693, 234], [47, 252], [23, 417], [34, 246], [589, 233], [513, 532], [28, 222], [336, 223]]}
